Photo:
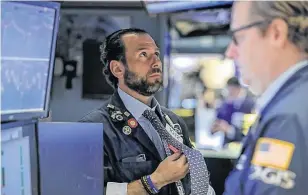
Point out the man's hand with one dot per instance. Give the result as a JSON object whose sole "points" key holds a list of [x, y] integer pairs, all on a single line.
{"points": [[172, 169], [220, 125]]}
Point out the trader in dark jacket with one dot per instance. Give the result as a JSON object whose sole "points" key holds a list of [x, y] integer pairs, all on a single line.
{"points": [[146, 146], [270, 46]]}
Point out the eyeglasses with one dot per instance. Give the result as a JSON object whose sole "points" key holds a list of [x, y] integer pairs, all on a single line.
{"points": [[232, 32]]}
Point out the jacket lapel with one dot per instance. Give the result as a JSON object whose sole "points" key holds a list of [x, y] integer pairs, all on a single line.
{"points": [[137, 132]]}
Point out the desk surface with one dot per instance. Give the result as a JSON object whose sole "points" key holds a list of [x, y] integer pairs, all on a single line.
{"points": [[232, 151]]}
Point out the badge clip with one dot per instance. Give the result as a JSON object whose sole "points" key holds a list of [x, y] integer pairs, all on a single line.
{"points": [[169, 120]]}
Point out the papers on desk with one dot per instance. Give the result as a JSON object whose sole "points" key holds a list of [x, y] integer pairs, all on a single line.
{"points": [[211, 146], [225, 153], [207, 140]]}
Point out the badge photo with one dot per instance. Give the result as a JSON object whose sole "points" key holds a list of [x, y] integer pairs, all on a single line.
{"points": [[177, 128], [173, 133]]}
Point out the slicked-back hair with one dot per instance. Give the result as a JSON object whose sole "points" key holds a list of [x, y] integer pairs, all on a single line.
{"points": [[113, 48]]}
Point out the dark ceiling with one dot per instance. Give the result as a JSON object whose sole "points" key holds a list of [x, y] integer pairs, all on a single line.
{"points": [[197, 28]]}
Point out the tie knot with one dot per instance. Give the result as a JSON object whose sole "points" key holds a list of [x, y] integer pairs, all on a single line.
{"points": [[149, 114]]}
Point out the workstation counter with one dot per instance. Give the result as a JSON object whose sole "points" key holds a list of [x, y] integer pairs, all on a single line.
{"points": [[231, 151]]}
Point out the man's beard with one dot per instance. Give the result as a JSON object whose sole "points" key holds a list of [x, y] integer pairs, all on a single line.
{"points": [[140, 84]]}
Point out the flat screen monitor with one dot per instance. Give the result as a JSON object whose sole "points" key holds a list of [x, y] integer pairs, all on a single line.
{"points": [[71, 158], [28, 40], [163, 6], [19, 158]]}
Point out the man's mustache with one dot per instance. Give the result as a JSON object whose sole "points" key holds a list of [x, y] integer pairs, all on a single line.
{"points": [[155, 70]]}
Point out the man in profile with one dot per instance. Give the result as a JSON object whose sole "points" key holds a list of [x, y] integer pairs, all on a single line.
{"points": [[270, 47]]}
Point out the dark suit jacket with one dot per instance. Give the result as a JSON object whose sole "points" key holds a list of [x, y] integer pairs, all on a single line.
{"points": [[118, 146]]}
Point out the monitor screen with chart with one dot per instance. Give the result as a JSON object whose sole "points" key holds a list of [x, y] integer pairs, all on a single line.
{"points": [[19, 158], [28, 38]]}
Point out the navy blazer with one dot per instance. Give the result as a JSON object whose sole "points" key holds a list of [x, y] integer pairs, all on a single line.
{"points": [[275, 151], [119, 146]]}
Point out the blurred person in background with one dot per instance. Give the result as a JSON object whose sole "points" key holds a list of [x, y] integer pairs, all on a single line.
{"points": [[270, 47], [230, 114]]}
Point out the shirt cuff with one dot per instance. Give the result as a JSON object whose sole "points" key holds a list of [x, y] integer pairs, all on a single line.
{"points": [[116, 188], [231, 133]]}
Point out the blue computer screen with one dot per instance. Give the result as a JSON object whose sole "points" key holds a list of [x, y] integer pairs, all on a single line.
{"points": [[26, 42]]}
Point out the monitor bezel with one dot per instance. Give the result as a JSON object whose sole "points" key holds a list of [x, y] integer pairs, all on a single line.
{"points": [[223, 4], [30, 129], [45, 112]]}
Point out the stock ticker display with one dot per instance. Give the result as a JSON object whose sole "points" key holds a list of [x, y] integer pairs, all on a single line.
{"points": [[26, 41]]}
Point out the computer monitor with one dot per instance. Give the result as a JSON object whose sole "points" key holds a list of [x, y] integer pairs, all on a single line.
{"points": [[164, 6], [19, 158], [71, 158], [28, 39]]}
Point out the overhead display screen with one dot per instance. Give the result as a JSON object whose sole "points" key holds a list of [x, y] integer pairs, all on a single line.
{"points": [[162, 6]]}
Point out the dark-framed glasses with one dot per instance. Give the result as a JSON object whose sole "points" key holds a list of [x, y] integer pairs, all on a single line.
{"points": [[232, 32]]}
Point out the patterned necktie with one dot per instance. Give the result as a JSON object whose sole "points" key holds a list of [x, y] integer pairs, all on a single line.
{"points": [[197, 167]]}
